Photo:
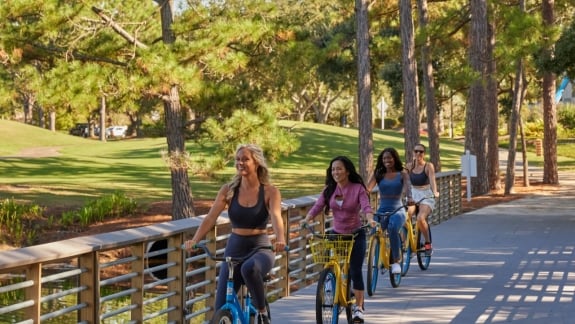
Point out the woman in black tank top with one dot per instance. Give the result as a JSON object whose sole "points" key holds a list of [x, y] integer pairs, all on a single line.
{"points": [[423, 185], [252, 201]]}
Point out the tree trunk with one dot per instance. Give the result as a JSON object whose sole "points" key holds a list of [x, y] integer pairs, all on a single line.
{"points": [[409, 77], [475, 121], [429, 86], [182, 202], [513, 126], [493, 109], [524, 151], [364, 91], [103, 119], [514, 120], [550, 175]]}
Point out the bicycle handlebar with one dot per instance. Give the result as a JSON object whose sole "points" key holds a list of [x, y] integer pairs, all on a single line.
{"points": [[404, 205], [233, 259], [316, 234]]}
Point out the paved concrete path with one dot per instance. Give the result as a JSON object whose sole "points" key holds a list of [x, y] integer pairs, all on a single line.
{"points": [[512, 262]]}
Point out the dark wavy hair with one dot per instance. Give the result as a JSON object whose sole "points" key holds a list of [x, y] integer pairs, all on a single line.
{"points": [[330, 183], [380, 169]]}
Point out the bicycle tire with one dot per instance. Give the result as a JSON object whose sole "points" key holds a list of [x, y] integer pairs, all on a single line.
{"points": [[394, 278], [325, 310], [223, 316], [373, 266], [422, 258], [268, 312], [406, 253], [348, 310]]}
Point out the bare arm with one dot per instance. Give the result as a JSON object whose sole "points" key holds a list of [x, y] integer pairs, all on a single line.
{"points": [[406, 186], [370, 184], [431, 176], [275, 210], [210, 220]]}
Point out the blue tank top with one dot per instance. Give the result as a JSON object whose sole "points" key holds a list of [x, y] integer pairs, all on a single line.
{"points": [[390, 193], [255, 217], [391, 187]]}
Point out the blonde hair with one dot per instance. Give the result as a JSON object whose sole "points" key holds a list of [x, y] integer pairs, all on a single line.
{"points": [[262, 170]]}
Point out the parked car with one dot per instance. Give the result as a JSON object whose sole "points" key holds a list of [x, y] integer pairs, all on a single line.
{"points": [[80, 129], [116, 131]]}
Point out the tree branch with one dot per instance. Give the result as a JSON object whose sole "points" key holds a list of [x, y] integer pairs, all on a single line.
{"points": [[118, 28]]}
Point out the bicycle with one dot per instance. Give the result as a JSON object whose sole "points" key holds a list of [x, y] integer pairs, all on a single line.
{"points": [[333, 293], [237, 309], [379, 254], [415, 241]]}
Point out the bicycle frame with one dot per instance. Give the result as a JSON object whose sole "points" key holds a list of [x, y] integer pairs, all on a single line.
{"points": [[341, 288], [412, 245], [235, 311], [333, 290], [385, 246], [239, 310]]}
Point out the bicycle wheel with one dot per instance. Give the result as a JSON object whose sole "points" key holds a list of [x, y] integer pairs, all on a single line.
{"points": [[394, 278], [223, 316], [348, 310], [423, 258], [325, 310], [406, 252], [373, 265]]}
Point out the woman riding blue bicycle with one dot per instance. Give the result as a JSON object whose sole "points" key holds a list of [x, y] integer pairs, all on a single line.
{"points": [[252, 201]]}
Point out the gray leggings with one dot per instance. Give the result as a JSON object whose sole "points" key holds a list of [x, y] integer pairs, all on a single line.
{"points": [[251, 272]]}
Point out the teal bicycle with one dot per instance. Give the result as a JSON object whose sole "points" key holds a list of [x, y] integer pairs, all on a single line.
{"points": [[237, 309]]}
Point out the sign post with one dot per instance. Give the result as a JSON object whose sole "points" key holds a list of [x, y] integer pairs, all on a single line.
{"points": [[382, 108], [468, 169]]}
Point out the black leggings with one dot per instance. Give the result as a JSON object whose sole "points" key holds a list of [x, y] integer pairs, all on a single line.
{"points": [[356, 259], [251, 272]]}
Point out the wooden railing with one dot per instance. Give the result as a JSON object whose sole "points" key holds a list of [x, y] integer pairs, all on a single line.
{"points": [[142, 275]]}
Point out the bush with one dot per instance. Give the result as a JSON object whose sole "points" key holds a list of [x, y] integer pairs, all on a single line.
{"points": [[111, 206], [16, 222], [566, 117]]}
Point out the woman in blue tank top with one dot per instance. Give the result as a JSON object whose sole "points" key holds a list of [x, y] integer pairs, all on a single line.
{"points": [[393, 184]]}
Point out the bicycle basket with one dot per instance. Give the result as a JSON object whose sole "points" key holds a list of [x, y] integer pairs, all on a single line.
{"points": [[327, 247]]}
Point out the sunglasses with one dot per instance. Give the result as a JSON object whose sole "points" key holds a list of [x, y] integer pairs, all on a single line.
{"points": [[418, 151]]}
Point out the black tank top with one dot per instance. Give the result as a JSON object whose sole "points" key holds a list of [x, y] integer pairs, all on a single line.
{"points": [[255, 217], [419, 179]]}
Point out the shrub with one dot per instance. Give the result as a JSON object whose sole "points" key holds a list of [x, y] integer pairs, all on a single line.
{"points": [[566, 117], [17, 222], [111, 206]]}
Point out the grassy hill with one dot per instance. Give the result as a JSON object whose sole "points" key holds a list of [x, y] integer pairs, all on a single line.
{"points": [[87, 168]]}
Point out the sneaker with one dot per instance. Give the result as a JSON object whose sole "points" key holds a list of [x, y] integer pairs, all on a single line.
{"points": [[395, 268], [263, 319], [357, 314], [428, 249]]}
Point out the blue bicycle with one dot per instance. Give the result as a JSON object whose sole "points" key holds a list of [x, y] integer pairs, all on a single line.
{"points": [[240, 309]]}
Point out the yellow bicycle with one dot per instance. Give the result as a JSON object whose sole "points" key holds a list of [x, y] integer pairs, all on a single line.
{"points": [[333, 287], [379, 254], [414, 242]]}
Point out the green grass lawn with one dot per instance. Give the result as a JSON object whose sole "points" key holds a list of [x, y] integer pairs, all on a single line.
{"points": [[86, 168]]}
